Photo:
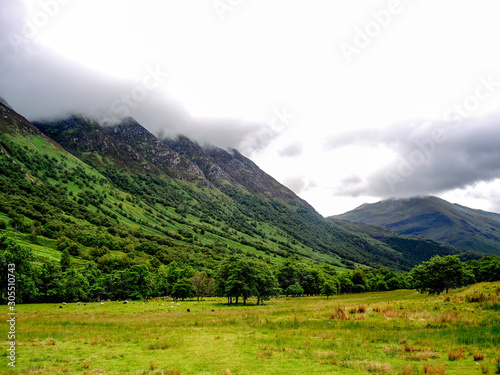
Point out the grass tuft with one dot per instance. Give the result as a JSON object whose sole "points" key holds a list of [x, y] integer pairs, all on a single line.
{"points": [[434, 370], [456, 355], [340, 314], [478, 356]]}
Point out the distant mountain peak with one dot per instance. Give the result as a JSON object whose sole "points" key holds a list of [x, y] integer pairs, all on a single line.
{"points": [[433, 218]]}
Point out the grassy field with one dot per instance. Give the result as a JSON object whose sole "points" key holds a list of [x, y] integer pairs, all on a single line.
{"points": [[400, 332]]}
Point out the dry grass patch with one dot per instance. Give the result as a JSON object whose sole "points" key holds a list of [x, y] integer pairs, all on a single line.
{"points": [[410, 348], [391, 351], [360, 309], [434, 370], [163, 344], [326, 357], [382, 309], [422, 356], [477, 297], [448, 317], [370, 366], [408, 370], [456, 355], [49, 341], [359, 317], [340, 314], [478, 356]]}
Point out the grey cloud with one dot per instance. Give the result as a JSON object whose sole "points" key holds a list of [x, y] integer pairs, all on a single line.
{"points": [[433, 157], [292, 150], [299, 184], [40, 84]]}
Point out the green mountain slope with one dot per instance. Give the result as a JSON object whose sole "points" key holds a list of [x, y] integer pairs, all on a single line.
{"points": [[119, 196], [436, 219]]}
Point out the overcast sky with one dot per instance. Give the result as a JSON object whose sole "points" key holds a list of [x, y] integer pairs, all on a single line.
{"points": [[345, 102]]}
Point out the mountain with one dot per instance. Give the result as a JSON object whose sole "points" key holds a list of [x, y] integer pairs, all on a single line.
{"points": [[4, 102], [433, 218], [121, 196]]}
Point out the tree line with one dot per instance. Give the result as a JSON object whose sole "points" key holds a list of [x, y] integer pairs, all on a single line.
{"points": [[236, 278]]}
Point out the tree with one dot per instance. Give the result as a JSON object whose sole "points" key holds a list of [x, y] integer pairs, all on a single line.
{"points": [[203, 285], [50, 282], [441, 273], [290, 273], [266, 283], [329, 287], [359, 280], [346, 285], [75, 286], [65, 260], [245, 278], [294, 290], [242, 280], [313, 280], [23, 271], [182, 289]]}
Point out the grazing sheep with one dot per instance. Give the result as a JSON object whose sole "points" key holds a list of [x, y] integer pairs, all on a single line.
{"points": [[79, 302], [60, 307], [213, 310], [64, 303], [188, 310], [125, 302]]}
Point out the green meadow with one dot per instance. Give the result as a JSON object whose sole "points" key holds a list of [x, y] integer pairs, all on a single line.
{"points": [[397, 332]]}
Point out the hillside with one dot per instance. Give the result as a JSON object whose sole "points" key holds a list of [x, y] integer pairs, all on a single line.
{"points": [[120, 197], [435, 219]]}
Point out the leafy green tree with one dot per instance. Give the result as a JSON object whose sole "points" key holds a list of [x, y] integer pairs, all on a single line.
{"points": [[134, 282], [313, 280], [65, 260], [290, 273], [21, 257], [203, 285], [160, 285], [359, 280], [50, 283], [329, 287], [488, 268], [182, 289], [245, 278], [75, 285], [294, 290], [221, 278], [441, 273], [346, 285], [242, 280], [267, 285]]}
